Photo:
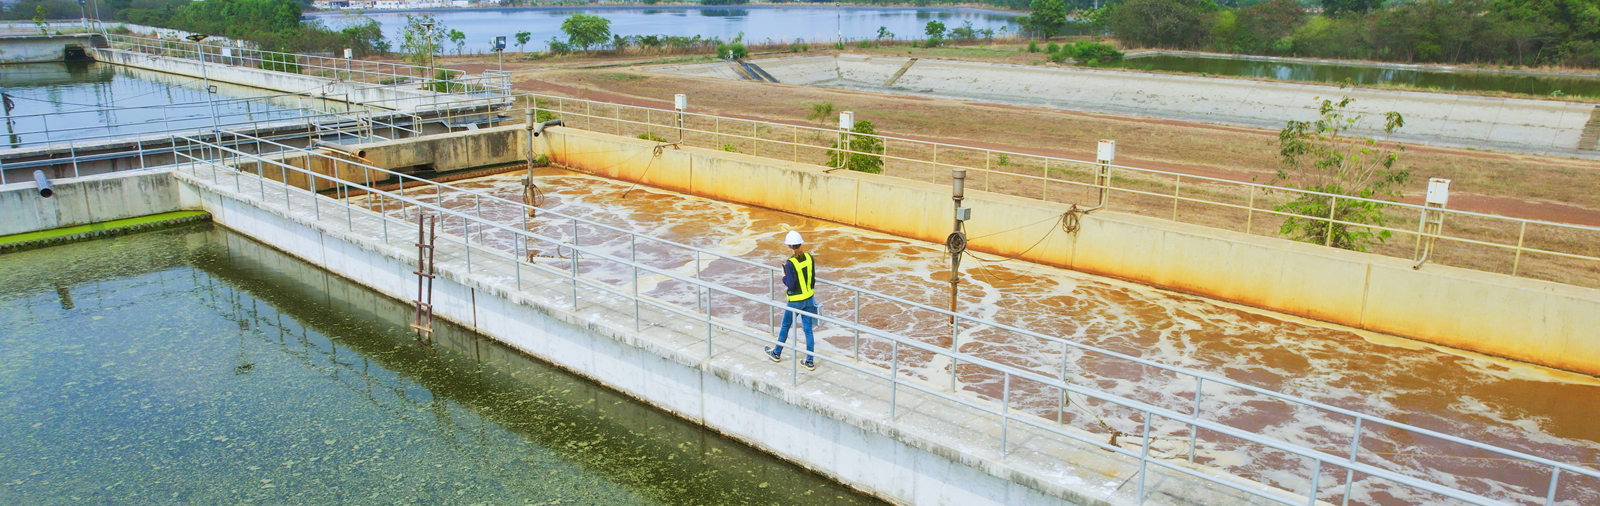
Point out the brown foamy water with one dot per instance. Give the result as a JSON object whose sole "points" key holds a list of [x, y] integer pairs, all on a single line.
{"points": [[1540, 411]]}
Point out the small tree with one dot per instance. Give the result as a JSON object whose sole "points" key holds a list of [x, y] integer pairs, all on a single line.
{"points": [[884, 33], [935, 32], [418, 42], [1048, 17], [522, 40], [584, 30], [1316, 158], [39, 20], [820, 112], [866, 147], [460, 39]]}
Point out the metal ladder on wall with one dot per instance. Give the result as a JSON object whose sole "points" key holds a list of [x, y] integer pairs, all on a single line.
{"points": [[422, 316]]}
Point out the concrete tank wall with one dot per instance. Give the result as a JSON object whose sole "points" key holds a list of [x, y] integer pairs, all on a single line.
{"points": [[391, 97], [1535, 321], [40, 48], [86, 200]]}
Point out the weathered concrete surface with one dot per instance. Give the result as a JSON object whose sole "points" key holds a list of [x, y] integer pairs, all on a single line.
{"points": [[1509, 124], [1536, 321], [833, 421], [452, 151], [42, 48], [86, 200]]}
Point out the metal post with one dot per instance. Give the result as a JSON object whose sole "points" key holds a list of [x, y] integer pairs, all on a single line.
{"points": [[1517, 262], [1144, 457], [1250, 215], [1316, 477], [855, 347], [1005, 412], [1194, 429], [1177, 187], [1328, 238], [894, 378], [1350, 474]]}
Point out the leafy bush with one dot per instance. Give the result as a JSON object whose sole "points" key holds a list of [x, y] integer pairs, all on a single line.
{"points": [[731, 148], [734, 49], [1089, 53], [280, 63], [867, 150], [543, 113], [1033, 46], [651, 136], [1053, 48]]}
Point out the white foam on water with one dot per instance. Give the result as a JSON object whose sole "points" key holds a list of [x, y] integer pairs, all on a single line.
{"points": [[1491, 400]]}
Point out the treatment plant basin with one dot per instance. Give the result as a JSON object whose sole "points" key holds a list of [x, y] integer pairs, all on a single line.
{"points": [[1537, 410]]}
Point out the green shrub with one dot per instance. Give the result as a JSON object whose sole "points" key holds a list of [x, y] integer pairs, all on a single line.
{"points": [[651, 136], [280, 63], [863, 43], [1085, 50], [864, 146], [731, 148], [1052, 48], [1033, 46]]}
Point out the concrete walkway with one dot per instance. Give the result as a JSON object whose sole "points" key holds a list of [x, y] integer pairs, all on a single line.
{"points": [[836, 421]]}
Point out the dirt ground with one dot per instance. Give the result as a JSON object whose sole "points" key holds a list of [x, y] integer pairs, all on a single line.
{"points": [[1540, 187]]}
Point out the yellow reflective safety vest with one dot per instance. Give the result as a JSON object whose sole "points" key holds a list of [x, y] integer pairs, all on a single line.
{"points": [[806, 276]]}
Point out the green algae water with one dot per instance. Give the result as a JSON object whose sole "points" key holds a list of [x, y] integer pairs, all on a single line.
{"points": [[195, 366]]}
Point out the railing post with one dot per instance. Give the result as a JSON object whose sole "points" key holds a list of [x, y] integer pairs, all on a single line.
{"points": [[1328, 239], [1350, 473], [1144, 457], [1194, 428], [1005, 412], [1550, 498], [1517, 262]]}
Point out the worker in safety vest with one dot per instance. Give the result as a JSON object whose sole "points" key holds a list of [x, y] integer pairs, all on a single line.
{"points": [[799, 276]]}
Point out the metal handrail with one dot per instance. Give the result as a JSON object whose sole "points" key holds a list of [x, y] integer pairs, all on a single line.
{"points": [[1520, 224], [1193, 419], [492, 83]]}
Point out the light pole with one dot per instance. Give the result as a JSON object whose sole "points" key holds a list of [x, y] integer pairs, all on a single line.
{"points": [[216, 128], [499, 50], [83, 16]]}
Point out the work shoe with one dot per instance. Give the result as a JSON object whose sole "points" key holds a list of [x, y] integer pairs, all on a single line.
{"points": [[809, 365], [773, 356]]}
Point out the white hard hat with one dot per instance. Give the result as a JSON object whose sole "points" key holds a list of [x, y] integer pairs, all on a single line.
{"points": [[793, 239]]}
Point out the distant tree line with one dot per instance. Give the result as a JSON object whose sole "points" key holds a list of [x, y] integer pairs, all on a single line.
{"points": [[1507, 32], [273, 24]]}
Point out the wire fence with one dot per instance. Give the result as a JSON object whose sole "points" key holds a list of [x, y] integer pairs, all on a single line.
{"points": [[1538, 249], [428, 77]]}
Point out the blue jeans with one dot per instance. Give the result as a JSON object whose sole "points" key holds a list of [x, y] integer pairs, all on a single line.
{"points": [[806, 322]]}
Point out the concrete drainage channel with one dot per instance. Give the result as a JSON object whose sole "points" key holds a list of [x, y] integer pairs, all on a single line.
{"points": [[1517, 125]]}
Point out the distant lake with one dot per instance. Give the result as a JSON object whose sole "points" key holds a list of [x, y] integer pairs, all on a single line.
{"points": [[759, 23]]}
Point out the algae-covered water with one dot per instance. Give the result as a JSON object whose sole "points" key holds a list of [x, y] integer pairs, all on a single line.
{"points": [[196, 366]]}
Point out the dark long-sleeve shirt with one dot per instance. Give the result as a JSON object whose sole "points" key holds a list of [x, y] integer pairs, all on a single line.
{"points": [[791, 279]]}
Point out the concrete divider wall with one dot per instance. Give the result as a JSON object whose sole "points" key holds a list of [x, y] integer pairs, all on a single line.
{"points": [[389, 97], [450, 151], [40, 48], [86, 200], [1535, 321]]}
